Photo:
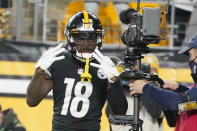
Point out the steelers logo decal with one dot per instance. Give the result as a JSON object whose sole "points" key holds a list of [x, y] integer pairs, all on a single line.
{"points": [[100, 74]]}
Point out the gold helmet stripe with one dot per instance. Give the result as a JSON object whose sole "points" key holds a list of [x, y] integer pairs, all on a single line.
{"points": [[86, 19]]}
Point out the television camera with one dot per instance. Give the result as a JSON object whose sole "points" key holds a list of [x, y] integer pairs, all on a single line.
{"points": [[142, 30]]}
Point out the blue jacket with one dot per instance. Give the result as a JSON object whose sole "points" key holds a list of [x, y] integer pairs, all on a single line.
{"points": [[169, 99]]}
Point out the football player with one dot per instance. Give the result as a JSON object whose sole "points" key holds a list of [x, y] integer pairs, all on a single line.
{"points": [[81, 78]]}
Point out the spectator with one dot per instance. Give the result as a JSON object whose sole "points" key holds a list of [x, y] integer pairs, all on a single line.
{"points": [[9, 121]]}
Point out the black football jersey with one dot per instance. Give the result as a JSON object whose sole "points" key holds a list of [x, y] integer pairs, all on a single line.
{"points": [[77, 104]]}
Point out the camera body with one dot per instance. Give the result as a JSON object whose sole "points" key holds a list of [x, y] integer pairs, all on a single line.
{"points": [[143, 29]]}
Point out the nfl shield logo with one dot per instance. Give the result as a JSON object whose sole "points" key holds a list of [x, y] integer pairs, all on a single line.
{"points": [[80, 71]]}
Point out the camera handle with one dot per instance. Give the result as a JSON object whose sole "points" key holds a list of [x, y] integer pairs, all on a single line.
{"points": [[136, 123]]}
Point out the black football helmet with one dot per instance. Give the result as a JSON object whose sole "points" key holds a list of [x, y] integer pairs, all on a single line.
{"points": [[80, 25]]}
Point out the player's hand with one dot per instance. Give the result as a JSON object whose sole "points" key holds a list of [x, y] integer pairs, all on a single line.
{"points": [[170, 85], [106, 65], [50, 56], [136, 87]]}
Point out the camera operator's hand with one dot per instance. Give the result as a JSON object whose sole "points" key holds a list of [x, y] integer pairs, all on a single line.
{"points": [[136, 87], [50, 56], [106, 65], [170, 85]]}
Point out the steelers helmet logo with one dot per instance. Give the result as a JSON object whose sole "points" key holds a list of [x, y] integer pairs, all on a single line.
{"points": [[101, 75]]}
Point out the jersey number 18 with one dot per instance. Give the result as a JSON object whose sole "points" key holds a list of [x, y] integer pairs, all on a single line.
{"points": [[79, 97]]}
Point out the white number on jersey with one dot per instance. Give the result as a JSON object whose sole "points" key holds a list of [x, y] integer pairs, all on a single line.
{"points": [[79, 97]]}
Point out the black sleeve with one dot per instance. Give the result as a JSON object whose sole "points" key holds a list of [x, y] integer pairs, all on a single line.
{"points": [[181, 88], [171, 117], [117, 99]]}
